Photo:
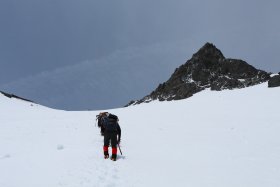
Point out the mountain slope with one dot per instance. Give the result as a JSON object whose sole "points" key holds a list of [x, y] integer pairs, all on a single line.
{"points": [[208, 68], [228, 138]]}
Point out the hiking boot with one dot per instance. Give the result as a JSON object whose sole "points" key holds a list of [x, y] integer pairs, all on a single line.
{"points": [[114, 157], [106, 154]]}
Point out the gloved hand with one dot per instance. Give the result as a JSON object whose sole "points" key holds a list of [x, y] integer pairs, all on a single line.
{"points": [[119, 140]]}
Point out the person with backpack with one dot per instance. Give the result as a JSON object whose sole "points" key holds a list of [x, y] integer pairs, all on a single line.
{"points": [[112, 134]]}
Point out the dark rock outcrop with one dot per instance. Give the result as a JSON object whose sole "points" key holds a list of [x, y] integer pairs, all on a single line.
{"points": [[207, 68], [274, 81], [14, 96]]}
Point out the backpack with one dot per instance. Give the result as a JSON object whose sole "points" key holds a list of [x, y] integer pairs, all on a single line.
{"points": [[113, 117], [111, 122]]}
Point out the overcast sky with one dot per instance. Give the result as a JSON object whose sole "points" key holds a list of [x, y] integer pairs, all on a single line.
{"points": [[42, 35]]}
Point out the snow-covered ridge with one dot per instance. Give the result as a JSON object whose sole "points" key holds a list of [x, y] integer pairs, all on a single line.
{"points": [[14, 96], [227, 138]]}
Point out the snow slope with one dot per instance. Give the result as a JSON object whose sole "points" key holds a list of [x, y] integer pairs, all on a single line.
{"points": [[213, 139]]}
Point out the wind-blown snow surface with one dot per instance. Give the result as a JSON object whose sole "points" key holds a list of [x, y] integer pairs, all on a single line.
{"points": [[213, 139]]}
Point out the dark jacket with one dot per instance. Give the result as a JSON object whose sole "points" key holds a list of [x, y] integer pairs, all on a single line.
{"points": [[111, 125]]}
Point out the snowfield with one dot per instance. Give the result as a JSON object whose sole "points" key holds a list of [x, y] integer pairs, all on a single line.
{"points": [[213, 139]]}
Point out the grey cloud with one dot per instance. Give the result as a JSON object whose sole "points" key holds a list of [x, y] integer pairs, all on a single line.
{"points": [[104, 83], [43, 35]]}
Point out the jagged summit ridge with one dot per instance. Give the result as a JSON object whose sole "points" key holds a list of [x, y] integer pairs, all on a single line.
{"points": [[208, 51], [208, 68]]}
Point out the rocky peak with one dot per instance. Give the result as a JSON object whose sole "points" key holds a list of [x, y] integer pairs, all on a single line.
{"points": [[208, 52], [208, 68]]}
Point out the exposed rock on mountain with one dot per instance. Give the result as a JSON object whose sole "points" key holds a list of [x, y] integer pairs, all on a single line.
{"points": [[274, 81], [208, 68], [14, 96]]}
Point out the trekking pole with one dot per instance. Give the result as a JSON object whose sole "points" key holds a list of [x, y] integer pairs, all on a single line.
{"points": [[120, 149]]}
